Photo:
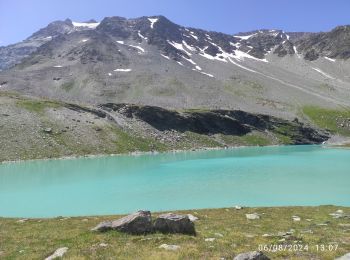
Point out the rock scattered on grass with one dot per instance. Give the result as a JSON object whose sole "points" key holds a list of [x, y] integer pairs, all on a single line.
{"points": [[169, 247], [103, 245], [219, 235], [174, 223], [209, 239], [58, 253], [137, 223], [296, 218], [103, 226], [22, 220], [252, 216], [339, 214], [48, 130], [254, 255], [192, 218], [238, 207]]}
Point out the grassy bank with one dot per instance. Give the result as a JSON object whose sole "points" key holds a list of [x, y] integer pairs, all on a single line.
{"points": [[337, 121], [233, 233]]}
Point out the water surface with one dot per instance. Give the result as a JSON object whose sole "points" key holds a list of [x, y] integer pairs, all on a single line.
{"points": [[254, 176]]}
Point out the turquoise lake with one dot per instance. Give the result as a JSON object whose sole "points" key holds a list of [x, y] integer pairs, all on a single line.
{"points": [[252, 176]]}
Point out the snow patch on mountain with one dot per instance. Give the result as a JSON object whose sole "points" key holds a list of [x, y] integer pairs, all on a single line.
{"points": [[122, 70], [153, 21], [140, 35], [87, 25], [179, 46], [164, 56], [141, 50], [245, 37], [323, 73], [327, 58]]}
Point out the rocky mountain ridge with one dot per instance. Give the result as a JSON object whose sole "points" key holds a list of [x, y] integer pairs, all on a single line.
{"points": [[153, 61]]}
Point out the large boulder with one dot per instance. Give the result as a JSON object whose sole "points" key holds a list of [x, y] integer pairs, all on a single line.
{"points": [[137, 223], [254, 255], [174, 223]]}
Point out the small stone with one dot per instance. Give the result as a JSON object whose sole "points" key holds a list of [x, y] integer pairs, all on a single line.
{"points": [[169, 247], [58, 253], [22, 220], [103, 245], [255, 255], [210, 239], [192, 218], [219, 235], [267, 235], [85, 220], [296, 218], [48, 130], [238, 207], [252, 216]]}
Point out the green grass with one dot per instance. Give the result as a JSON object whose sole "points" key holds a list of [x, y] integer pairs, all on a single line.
{"points": [[37, 106], [251, 139], [233, 233], [130, 143], [330, 119]]}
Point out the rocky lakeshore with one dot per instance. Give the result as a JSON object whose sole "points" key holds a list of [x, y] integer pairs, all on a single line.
{"points": [[34, 128]]}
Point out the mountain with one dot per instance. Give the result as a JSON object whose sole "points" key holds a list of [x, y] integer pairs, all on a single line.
{"points": [[153, 61]]}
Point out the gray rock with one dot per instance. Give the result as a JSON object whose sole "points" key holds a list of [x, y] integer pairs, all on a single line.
{"points": [[254, 255], [344, 257], [137, 223], [169, 247], [192, 218], [173, 223], [48, 130], [252, 216], [296, 218], [58, 253], [103, 226]]}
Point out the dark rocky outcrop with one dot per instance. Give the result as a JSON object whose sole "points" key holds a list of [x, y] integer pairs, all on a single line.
{"points": [[197, 122], [255, 255], [137, 223], [174, 223], [227, 122]]}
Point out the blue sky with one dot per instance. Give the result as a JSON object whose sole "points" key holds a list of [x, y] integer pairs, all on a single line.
{"points": [[20, 18]]}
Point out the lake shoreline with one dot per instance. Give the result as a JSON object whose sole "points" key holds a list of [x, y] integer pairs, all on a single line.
{"points": [[138, 153]]}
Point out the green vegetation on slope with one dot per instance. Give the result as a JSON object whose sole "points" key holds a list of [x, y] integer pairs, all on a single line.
{"points": [[37, 106], [233, 233], [336, 121]]}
